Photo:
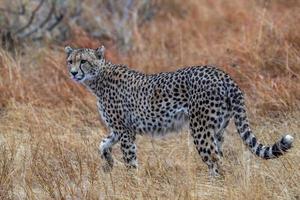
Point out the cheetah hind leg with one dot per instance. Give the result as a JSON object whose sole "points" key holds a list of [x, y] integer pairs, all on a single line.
{"points": [[205, 142], [219, 136]]}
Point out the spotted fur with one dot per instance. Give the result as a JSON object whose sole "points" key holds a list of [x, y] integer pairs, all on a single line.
{"points": [[130, 102]]}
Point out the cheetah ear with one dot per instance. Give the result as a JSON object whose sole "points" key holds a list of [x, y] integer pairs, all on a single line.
{"points": [[68, 50], [100, 52]]}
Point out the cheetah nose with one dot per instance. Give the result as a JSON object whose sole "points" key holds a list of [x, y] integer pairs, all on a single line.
{"points": [[74, 73]]}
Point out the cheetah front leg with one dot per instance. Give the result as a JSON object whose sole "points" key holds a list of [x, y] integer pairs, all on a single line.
{"points": [[128, 149], [105, 149]]}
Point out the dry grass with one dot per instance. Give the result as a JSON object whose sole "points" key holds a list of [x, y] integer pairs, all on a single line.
{"points": [[49, 127]]}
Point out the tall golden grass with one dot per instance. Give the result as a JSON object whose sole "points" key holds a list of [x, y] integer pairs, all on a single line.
{"points": [[50, 128]]}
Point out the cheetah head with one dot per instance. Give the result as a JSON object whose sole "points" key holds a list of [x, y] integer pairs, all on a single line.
{"points": [[84, 64]]}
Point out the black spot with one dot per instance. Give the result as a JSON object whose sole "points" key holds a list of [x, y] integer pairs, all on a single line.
{"points": [[258, 149], [253, 142], [276, 150], [245, 126], [246, 135], [208, 151], [283, 145], [266, 153], [208, 134], [238, 109]]}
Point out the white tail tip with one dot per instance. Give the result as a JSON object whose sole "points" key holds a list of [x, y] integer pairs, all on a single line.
{"points": [[289, 139]]}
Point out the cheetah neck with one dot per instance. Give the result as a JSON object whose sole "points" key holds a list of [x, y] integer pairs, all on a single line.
{"points": [[94, 85], [109, 76]]}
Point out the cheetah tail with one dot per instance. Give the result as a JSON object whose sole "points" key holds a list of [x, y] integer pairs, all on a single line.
{"points": [[265, 152]]}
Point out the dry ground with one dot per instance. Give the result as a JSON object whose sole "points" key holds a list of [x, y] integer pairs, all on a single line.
{"points": [[50, 129]]}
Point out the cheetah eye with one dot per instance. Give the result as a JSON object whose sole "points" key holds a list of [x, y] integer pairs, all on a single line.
{"points": [[70, 62], [83, 61]]}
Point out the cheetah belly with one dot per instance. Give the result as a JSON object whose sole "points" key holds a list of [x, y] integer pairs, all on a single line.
{"points": [[178, 121], [175, 122]]}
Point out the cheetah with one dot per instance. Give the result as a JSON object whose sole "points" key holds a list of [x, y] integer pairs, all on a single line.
{"points": [[130, 102]]}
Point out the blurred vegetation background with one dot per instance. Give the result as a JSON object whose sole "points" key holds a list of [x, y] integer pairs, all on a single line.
{"points": [[49, 125], [56, 20]]}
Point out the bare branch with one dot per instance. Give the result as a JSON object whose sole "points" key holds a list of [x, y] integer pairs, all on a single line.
{"points": [[56, 22], [31, 17], [48, 16], [42, 24]]}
